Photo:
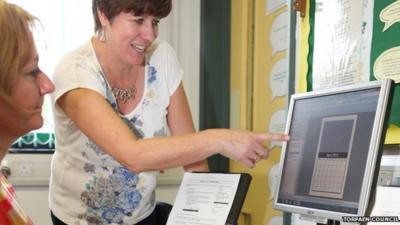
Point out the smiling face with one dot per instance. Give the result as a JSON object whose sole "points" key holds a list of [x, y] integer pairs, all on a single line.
{"points": [[128, 36]]}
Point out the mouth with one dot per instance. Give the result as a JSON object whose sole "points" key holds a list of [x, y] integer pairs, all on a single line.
{"points": [[37, 109], [139, 48]]}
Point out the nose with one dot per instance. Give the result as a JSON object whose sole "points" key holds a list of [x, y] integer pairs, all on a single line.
{"points": [[45, 84], [149, 32]]}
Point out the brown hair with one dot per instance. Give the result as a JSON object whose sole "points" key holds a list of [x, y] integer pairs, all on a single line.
{"points": [[111, 8], [16, 45]]}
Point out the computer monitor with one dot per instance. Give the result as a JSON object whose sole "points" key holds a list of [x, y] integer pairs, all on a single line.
{"points": [[329, 167]]}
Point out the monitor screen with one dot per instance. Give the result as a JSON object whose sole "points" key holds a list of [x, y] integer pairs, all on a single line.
{"points": [[328, 166]]}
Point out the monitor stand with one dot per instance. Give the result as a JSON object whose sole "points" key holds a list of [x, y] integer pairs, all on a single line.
{"points": [[330, 222], [319, 220]]}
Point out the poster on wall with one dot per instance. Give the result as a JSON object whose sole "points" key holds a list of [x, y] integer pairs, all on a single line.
{"points": [[337, 33], [278, 79], [353, 42], [277, 124], [272, 6], [278, 33], [385, 49]]}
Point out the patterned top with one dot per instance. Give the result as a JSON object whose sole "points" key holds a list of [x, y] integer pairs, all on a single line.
{"points": [[88, 186], [11, 212]]}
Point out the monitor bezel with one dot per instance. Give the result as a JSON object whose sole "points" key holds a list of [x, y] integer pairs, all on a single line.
{"points": [[373, 158]]}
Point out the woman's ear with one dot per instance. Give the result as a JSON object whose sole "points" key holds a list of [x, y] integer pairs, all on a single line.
{"points": [[102, 17]]}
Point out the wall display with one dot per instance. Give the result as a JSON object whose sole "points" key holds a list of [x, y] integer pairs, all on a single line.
{"points": [[278, 79], [277, 125], [262, 53], [34, 142], [385, 48], [272, 5], [278, 33], [353, 42], [387, 65], [386, 55], [270, 88], [273, 176], [336, 44]]}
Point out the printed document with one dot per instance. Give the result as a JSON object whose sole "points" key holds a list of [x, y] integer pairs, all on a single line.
{"points": [[204, 199]]}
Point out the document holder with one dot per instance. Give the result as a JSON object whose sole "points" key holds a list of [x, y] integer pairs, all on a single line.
{"points": [[244, 184], [208, 198]]}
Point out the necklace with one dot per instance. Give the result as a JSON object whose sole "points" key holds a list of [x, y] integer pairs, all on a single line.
{"points": [[124, 94]]}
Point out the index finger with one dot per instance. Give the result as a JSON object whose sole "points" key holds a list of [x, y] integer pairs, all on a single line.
{"points": [[273, 137]]}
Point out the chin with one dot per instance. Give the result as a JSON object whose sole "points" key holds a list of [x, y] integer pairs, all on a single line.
{"points": [[35, 123], [137, 60]]}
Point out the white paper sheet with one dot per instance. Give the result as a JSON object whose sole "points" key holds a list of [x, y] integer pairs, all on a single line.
{"points": [[204, 199], [337, 44]]}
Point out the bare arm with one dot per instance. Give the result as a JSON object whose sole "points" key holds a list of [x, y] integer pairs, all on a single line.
{"points": [[82, 105], [180, 122]]}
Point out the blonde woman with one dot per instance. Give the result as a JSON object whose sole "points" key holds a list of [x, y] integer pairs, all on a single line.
{"points": [[22, 87]]}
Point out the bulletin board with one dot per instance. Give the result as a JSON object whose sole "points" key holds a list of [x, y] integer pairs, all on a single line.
{"points": [[352, 42]]}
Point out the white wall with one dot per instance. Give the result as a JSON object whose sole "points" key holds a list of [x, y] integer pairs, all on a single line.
{"points": [[182, 30]]}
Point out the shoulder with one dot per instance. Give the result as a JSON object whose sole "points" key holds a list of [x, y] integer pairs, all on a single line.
{"points": [[159, 46], [163, 60], [160, 50], [82, 57], [79, 56], [78, 69]]}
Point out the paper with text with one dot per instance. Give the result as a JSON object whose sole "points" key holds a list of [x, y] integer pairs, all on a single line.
{"points": [[204, 199]]}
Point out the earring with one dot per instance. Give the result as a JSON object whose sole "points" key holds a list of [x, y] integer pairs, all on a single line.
{"points": [[102, 35]]}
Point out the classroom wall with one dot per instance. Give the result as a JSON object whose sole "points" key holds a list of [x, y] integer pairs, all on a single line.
{"points": [[258, 102], [253, 100], [393, 133]]}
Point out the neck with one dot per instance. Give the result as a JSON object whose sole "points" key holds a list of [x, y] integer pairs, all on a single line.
{"points": [[111, 65], [5, 143]]}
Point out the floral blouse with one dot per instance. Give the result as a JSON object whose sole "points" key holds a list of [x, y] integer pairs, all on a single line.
{"points": [[88, 186]]}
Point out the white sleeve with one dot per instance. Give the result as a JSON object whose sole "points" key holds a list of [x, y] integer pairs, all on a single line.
{"points": [[70, 74], [165, 59]]}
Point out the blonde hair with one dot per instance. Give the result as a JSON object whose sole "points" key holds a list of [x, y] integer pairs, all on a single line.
{"points": [[16, 46]]}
